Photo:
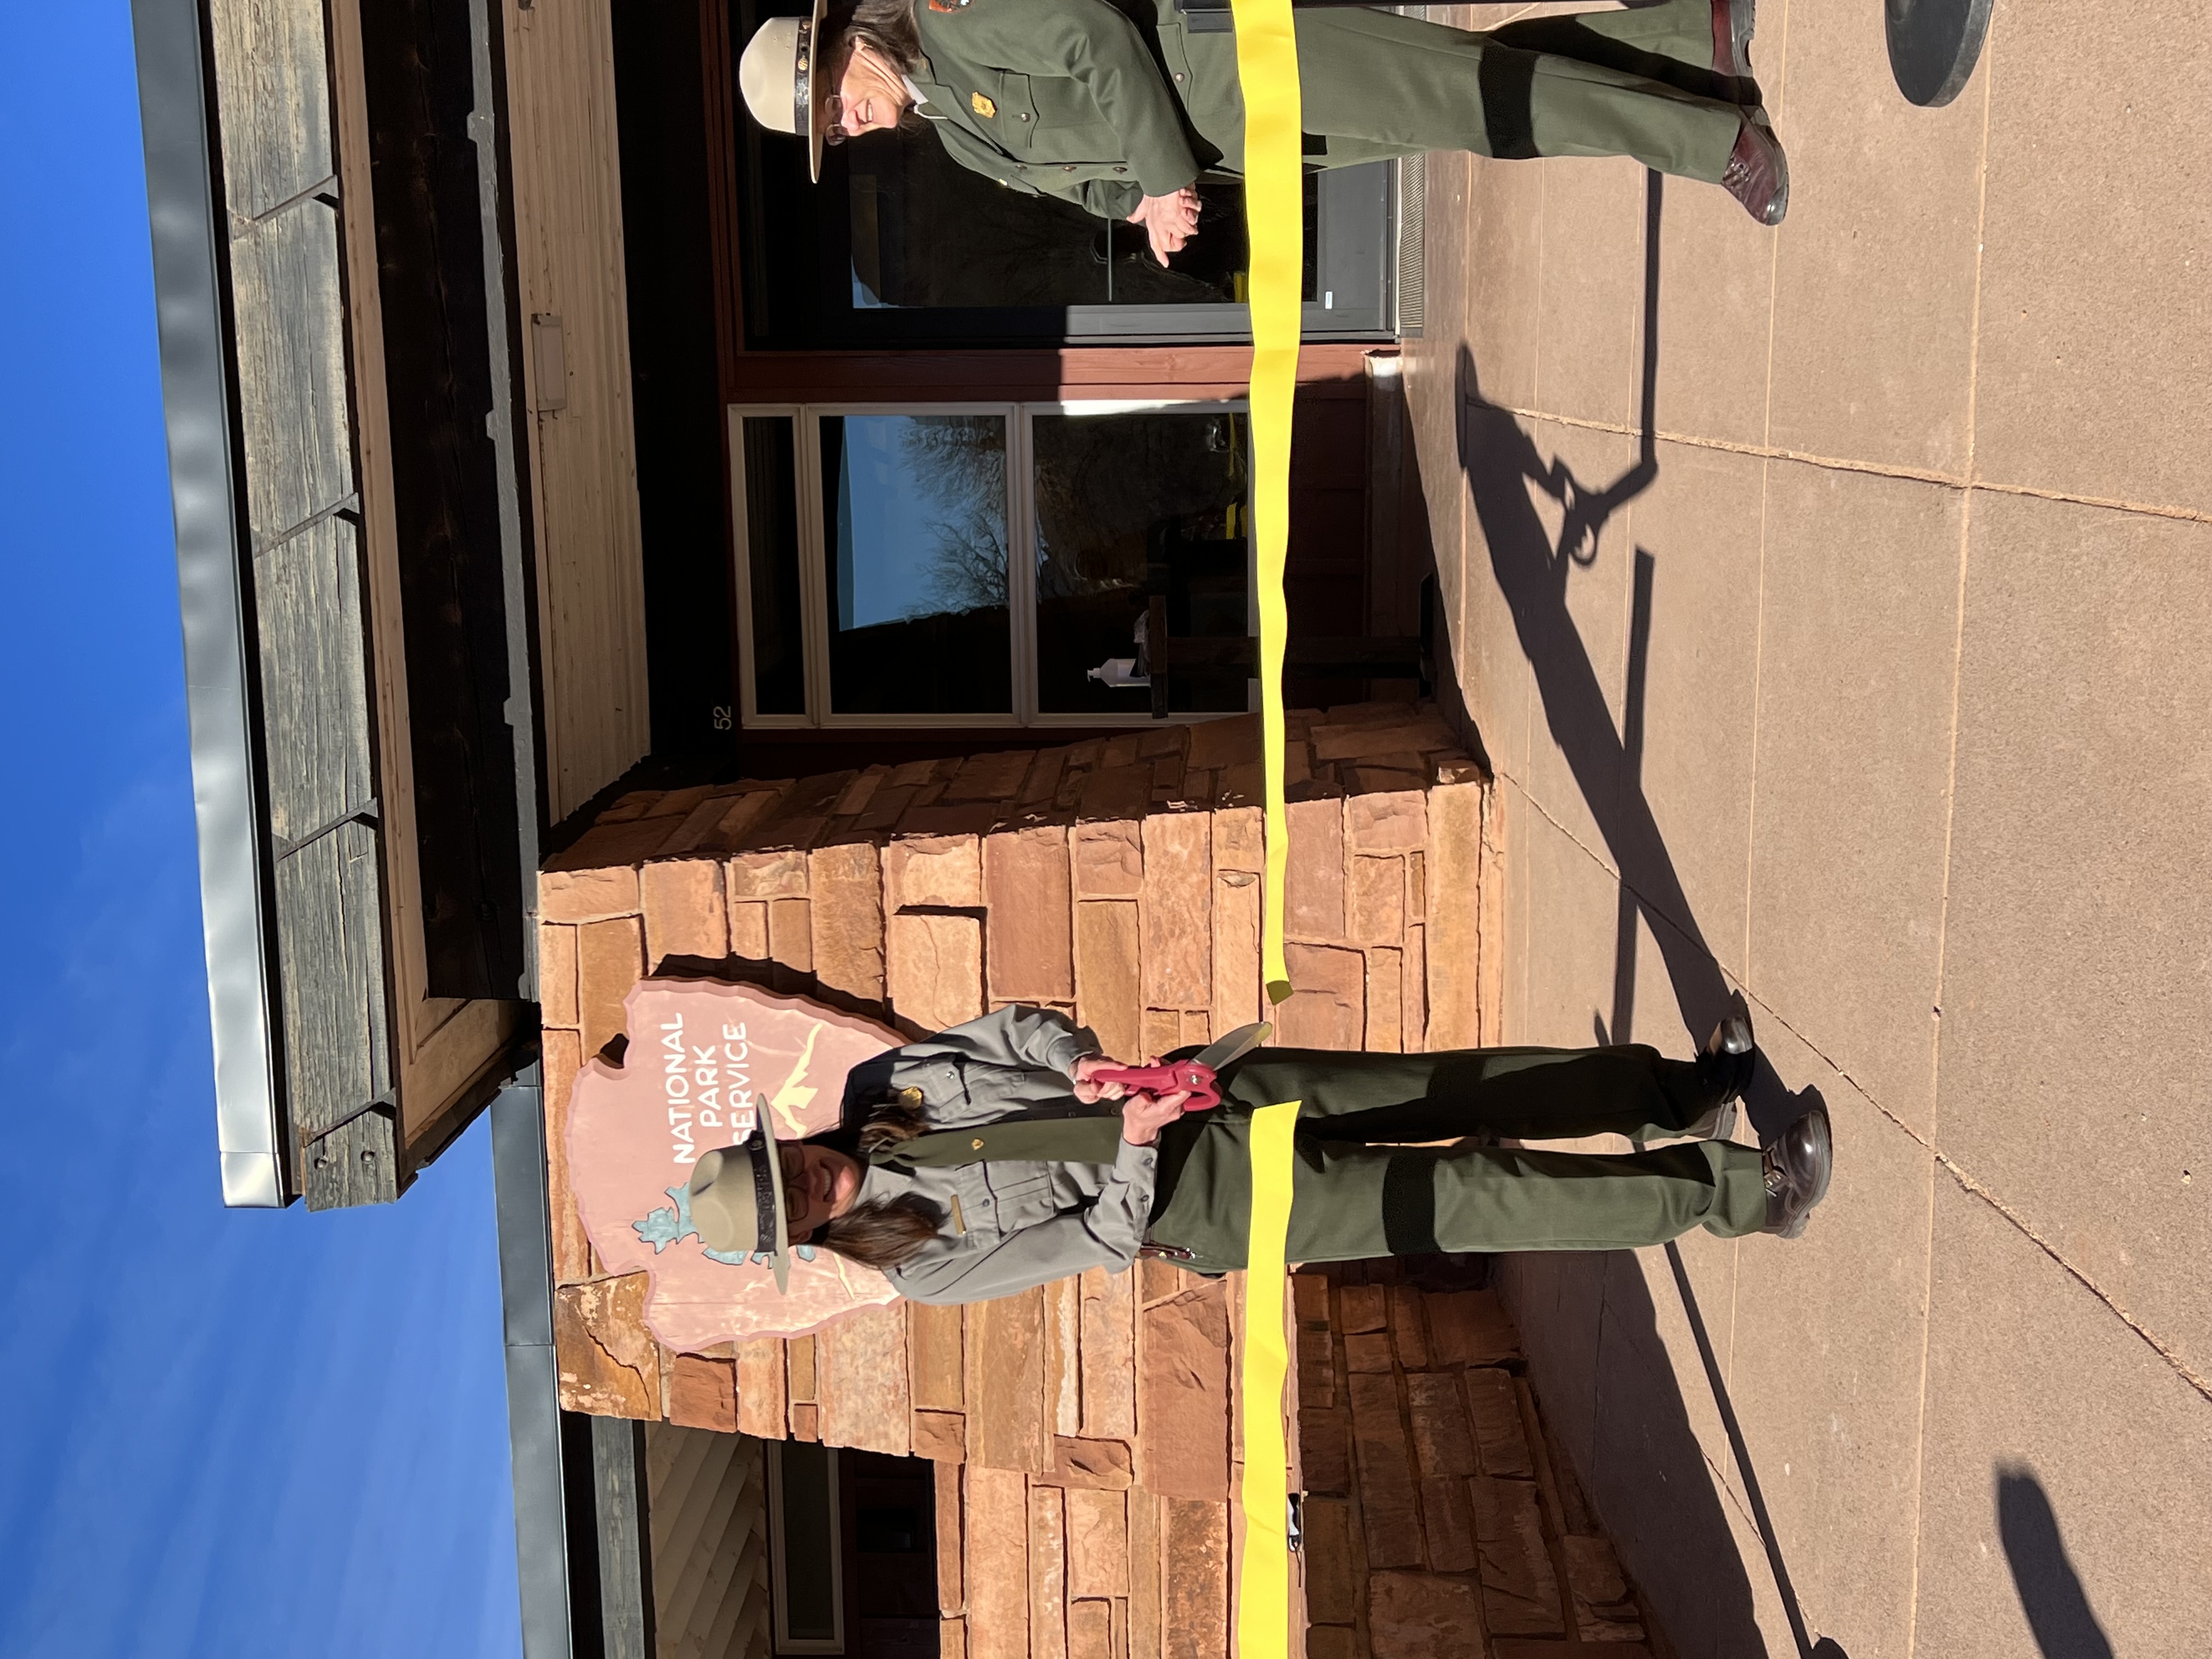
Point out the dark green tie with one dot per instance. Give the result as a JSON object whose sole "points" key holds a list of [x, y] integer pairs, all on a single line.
{"points": [[1013, 1140]]}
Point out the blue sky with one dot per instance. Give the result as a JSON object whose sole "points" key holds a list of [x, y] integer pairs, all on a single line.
{"points": [[887, 567], [228, 1433]]}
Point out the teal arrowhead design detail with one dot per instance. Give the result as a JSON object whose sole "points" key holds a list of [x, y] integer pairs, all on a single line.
{"points": [[665, 1227]]}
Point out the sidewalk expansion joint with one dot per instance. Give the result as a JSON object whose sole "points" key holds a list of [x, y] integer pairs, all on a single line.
{"points": [[1878, 469], [2189, 1375], [2202, 1385], [1969, 1184]]}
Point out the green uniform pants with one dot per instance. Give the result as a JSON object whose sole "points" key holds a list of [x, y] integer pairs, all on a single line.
{"points": [[1358, 1191], [1376, 85]]}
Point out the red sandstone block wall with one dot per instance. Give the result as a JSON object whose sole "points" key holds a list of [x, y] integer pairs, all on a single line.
{"points": [[1114, 1544], [1438, 1520], [1089, 1425], [1119, 880]]}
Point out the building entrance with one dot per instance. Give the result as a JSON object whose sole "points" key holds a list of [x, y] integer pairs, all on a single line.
{"points": [[899, 244]]}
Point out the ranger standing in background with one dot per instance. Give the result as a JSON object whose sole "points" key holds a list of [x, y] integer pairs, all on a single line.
{"points": [[1071, 98]]}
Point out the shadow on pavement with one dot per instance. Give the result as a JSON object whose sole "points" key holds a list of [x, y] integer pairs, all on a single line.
{"points": [[2050, 1595], [1681, 1541], [1501, 464]]}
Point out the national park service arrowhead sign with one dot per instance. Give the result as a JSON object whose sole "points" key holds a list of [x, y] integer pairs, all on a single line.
{"points": [[704, 1059]]}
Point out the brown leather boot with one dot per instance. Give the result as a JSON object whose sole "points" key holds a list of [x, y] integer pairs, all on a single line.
{"points": [[1758, 172], [1725, 1068], [1797, 1168], [1733, 22]]}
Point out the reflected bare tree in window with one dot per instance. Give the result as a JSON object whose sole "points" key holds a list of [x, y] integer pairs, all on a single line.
{"points": [[961, 461], [968, 572]]}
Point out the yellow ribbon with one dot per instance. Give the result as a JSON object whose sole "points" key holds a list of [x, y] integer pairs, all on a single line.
{"points": [[1263, 1587], [1274, 220]]}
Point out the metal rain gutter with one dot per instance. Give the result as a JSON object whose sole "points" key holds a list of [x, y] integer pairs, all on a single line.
{"points": [[197, 397], [547, 1529], [533, 1388]]}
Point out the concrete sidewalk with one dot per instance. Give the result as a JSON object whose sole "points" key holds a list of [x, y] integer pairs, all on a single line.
{"points": [[1832, 604]]}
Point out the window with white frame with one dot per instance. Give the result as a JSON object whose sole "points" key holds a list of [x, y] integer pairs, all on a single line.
{"points": [[972, 564], [807, 1551]]}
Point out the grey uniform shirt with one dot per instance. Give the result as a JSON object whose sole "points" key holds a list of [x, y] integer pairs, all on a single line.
{"points": [[1007, 1226]]}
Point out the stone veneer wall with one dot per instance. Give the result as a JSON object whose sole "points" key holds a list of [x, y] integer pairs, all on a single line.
{"points": [[1085, 1432], [1437, 1521]]}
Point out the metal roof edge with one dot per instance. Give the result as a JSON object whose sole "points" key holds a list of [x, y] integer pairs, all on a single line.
{"points": [[544, 1525], [196, 396], [533, 1396]]}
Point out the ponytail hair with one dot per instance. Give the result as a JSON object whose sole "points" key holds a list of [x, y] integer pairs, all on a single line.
{"points": [[884, 1234]]}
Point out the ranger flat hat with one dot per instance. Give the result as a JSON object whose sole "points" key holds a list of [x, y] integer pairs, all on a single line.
{"points": [[777, 77], [737, 1202]]}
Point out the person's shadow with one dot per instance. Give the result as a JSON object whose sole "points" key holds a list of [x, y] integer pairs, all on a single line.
{"points": [[2051, 1593], [1532, 570], [1692, 1562]]}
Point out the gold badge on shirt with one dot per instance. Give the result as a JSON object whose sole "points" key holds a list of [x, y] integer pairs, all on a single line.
{"points": [[983, 106]]}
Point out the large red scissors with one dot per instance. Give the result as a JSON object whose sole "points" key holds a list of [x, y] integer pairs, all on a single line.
{"points": [[1198, 1076]]}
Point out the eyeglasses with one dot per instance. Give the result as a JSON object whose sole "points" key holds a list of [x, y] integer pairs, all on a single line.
{"points": [[795, 1197], [833, 105]]}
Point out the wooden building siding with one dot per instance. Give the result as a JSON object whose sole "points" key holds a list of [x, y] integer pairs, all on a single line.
{"points": [[451, 483], [1084, 1431], [443, 1047], [574, 304], [707, 1508], [320, 783], [375, 1073]]}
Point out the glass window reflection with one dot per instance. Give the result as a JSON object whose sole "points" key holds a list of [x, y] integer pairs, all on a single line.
{"points": [[915, 513], [902, 189], [1128, 505], [779, 630]]}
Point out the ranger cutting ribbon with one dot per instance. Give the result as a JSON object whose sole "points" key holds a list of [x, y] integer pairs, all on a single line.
{"points": [[1010, 1151], [1121, 110]]}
